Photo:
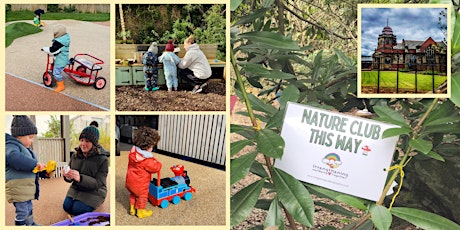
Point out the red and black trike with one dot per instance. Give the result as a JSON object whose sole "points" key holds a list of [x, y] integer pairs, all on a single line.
{"points": [[82, 68]]}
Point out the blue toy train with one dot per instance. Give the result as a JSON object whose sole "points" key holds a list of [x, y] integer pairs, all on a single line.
{"points": [[165, 190]]}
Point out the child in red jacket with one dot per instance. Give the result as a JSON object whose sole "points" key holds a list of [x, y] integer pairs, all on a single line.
{"points": [[141, 166]]}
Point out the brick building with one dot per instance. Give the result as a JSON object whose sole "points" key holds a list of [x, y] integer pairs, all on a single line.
{"points": [[411, 54]]}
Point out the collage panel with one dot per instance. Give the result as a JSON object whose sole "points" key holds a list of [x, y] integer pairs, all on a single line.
{"points": [[57, 170], [60, 55], [170, 57], [405, 51], [171, 170]]}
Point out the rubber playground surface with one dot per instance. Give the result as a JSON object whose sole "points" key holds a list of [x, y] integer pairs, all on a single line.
{"points": [[25, 64]]}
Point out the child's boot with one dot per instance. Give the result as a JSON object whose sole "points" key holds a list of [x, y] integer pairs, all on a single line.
{"points": [[142, 213], [60, 86], [132, 210], [20, 222]]}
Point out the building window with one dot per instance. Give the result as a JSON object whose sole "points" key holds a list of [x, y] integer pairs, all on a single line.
{"points": [[387, 60], [387, 41], [412, 59]]}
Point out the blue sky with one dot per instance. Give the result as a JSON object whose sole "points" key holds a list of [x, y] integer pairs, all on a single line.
{"points": [[407, 23]]}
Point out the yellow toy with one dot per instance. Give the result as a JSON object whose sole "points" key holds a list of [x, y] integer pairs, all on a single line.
{"points": [[49, 168]]}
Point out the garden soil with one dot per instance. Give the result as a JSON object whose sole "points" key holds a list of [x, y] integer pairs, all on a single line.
{"points": [[24, 58], [135, 98]]}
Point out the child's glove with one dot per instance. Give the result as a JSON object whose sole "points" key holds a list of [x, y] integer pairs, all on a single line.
{"points": [[47, 50]]}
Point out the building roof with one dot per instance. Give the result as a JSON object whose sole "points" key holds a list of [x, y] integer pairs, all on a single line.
{"points": [[387, 30]]}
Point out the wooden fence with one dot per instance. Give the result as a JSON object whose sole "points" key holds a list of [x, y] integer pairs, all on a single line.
{"points": [[50, 149], [196, 136], [84, 8]]}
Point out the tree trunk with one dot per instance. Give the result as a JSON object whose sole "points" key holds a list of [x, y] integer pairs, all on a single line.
{"points": [[122, 23]]}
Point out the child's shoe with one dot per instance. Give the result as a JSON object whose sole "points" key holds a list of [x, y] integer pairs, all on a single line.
{"points": [[143, 213], [155, 88], [146, 89], [60, 86], [30, 221], [132, 210]]}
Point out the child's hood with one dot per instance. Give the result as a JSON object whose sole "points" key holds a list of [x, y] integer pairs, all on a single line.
{"points": [[139, 154], [59, 30], [11, 140]]}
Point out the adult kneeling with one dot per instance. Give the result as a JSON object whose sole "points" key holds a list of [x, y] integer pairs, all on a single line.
{"points": [[88, 175], [195, 66]]}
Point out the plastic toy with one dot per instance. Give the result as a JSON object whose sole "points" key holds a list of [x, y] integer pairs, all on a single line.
{"points": [[87, 219], [82, 68], [46, 172], [165, 190]]}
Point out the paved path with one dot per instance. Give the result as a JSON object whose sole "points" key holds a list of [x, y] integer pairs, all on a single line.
{"points": [[24, 95]]}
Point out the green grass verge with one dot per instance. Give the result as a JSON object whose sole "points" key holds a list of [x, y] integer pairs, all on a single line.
{"points": [[17, 30], [29, 15], [406, 80]]}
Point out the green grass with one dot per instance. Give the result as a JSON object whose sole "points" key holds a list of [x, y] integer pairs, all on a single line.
{"points": [[406, 80], [29, 15], [17, 30]]}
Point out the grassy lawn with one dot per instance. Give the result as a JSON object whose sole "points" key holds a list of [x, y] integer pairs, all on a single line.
{"points": [[20, 29], [29, 15], [406, 80], [17, 30]]}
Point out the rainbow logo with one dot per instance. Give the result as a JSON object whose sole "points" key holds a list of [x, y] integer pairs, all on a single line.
{"points": [[332, 160]]}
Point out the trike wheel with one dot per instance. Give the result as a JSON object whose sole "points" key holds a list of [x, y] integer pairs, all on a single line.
{"points": [[81, 69], [99, 83], [48, 80]]}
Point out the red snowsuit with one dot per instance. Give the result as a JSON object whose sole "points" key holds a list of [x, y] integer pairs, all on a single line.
{"points": [[141, 166]]}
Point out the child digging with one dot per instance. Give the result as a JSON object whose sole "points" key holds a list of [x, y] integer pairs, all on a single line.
{"points": [[141, 166], [21, 182], [170, 61]]}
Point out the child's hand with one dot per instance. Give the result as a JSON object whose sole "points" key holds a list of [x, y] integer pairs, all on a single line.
{"points": [[39, 167]]}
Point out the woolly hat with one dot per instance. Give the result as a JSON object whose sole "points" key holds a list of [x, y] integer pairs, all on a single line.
{"points": [[91, 134], [170, 46], [59, 30], [153, 48], [22, 126]]}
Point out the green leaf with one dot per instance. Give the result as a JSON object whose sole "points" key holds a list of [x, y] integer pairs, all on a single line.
{"points": [[337, 196], [456, 37], [276, 121], [381, 217], [243, 202], [443, 121], [258, 169], [455, 88], [389, 115], [271, 39], [234, 4], [240, 166], [391, 132], [270, 143], [237, 146], [336, 209], [421, 145], [435, 156], [260, 105], [423, 219], [290, 93], [275, 215], [260, 71], [294, 197], [343, 57], [263, 204], [453, 128], [366, 226]]}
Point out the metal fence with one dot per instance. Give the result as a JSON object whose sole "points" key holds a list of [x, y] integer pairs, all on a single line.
{"points": [[196, 136]]}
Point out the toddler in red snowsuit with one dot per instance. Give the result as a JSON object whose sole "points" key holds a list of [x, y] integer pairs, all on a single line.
{"points": [[141, 166]]}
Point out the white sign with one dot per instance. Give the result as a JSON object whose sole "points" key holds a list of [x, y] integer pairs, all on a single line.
{"points": [[336, 151]]}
